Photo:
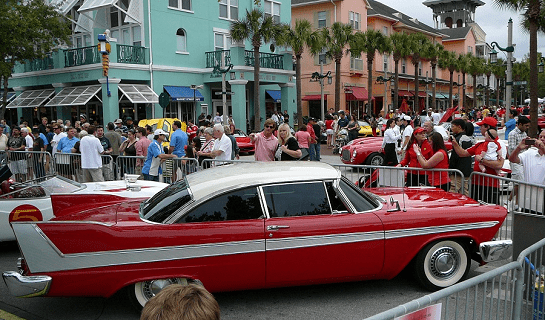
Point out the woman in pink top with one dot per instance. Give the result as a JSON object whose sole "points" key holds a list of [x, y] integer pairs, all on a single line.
{"points": [[303, 138]]}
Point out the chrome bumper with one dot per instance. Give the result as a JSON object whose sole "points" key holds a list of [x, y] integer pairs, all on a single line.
{"points": [[26, 286], [496, 250]]}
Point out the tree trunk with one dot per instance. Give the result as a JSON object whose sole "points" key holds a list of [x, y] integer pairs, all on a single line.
{"points": [[257, 113], [396, 86], [299, 98], [4, 80], [534, 8], [450, 89], [416, 85], [464, 91], [474, 92], [488, 90], [370, 82], [338, 84], [433, 87]]}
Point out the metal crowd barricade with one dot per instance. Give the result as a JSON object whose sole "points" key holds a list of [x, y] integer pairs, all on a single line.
{"points": [[29, 165], [175, 169], [512, 291], [129, 165], [368, 176], [68, 165]]}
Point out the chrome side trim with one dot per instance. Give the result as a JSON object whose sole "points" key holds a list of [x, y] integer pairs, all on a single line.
{"points": [[392, 234], [67, 222], [325, 240], [26, 286]]}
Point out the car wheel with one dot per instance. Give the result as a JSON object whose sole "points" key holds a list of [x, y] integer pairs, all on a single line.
{"points": [[441, 264], [375, 159], [141, 292]]}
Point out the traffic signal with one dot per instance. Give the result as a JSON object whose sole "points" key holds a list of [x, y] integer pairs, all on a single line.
{"points": [[105, 64]]}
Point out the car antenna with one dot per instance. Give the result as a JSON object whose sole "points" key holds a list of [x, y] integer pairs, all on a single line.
{"points": [[403, 194]]}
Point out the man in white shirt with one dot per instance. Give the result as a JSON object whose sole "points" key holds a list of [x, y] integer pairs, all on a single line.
{"points": [[218, 119], [29, 142], [222, 145], [57, 129], [91, 160], [405, 137], [436, 116]]}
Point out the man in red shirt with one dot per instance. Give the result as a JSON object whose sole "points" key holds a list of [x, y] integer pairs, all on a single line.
{"points": [[483, 188], [191, 130]]}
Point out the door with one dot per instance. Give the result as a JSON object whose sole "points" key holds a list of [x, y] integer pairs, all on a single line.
{"points": [[312, 238]]}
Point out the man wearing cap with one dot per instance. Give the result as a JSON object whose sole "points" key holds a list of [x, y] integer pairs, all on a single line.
{"points": [[482, 188], [64, 161], [152, 167], [119, 125], [343, 120], [82, 119], [130, 124]]}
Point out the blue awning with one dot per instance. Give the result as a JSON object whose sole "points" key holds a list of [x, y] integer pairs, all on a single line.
{"points": [[11, 95], [276, 95], [183, 93]]}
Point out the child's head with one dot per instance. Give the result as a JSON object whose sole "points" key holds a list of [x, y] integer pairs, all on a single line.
{"points": [[490, 134]]}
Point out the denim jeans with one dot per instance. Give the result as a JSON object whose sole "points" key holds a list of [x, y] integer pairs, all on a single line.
{"points": [[314, 151], [150, 178]]}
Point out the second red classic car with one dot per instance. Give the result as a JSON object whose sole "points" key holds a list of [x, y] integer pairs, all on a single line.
{"points": [[255, 225]]}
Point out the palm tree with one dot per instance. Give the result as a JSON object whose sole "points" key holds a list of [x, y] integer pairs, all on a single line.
{"points": [[369, 42], [463, 67], [259, 29], [335, 39], [499, 73], [417, 42], [533, 17], [432, 52], [475, 69], [299, 37], [449, 61], [400, 50]]}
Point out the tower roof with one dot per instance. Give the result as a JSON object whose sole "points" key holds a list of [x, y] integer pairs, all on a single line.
{"points": [[431, 3]]}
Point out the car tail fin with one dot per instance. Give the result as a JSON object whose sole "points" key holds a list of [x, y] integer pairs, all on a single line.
{"points": [[68, 204]]}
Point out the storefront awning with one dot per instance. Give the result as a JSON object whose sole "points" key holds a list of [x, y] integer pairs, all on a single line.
{"points": [[421, 94], [64, 6], [311, 97], [183, 93], [90, 5], [469, 96], [276, 95], [403, 93], [138, 93], [74, 96], [440, 95], [356, 94], [133, 13], [31, 98]]}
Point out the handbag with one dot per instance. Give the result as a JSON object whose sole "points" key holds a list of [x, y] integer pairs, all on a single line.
{"points": [[304, 154]]}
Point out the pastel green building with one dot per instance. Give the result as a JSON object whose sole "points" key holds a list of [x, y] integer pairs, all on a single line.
{"points": [[157, 46]]}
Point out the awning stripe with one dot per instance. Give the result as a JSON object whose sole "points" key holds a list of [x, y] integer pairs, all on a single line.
{"points": [[74, 96], [90, 5], [276, 95], [183, 93], [139, 93], [311, 97], [64, 5], [31, 98], [356, 94]]}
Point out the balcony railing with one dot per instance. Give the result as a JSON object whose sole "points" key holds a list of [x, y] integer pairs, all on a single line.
{"points": [[214, 58], [81, 56], [266, 60], [131, 54], [38, 64]]}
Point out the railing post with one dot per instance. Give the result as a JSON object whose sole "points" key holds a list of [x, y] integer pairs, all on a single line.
{"points": [[519, 292]]}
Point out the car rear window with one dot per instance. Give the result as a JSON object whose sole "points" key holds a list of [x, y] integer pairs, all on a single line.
{"points": [[165, 202]]}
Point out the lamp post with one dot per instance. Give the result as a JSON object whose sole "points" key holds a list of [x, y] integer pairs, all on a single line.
{"points": [[385, 80], [509, 49], [319, 77], [223, 70], [194, 87]]}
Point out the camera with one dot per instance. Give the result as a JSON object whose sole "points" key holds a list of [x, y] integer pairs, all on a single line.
{"points": [[530, 142]]}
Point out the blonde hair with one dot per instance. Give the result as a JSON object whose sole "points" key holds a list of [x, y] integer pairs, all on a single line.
{"points": [[182, 302], [287, 127]]}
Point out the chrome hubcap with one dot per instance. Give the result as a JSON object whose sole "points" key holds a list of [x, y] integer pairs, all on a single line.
{"points": [[151, 288], [444, 262]]}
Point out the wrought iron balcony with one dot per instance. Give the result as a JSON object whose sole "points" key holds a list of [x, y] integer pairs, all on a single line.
{"points": [[81, 56], [266, 60], [214, 58], [39, 64], [131, 54]]}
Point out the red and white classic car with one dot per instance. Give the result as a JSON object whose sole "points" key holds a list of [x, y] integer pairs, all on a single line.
{"points": [[254, 225]]}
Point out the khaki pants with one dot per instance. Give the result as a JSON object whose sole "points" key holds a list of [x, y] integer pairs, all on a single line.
{"points": [[92, 175], [456, 185]]}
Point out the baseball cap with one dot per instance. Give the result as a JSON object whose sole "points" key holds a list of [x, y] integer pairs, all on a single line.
{"points": [[408, 118], [128, 118], [160, 131], [118, 121], [83, 116], [489, 121], [340, 111], [419, 130], [311, 119]]}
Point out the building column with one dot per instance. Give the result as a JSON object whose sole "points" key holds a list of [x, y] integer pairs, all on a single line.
{"points": [[110, 103], [239, 104], [65, 112], [287, 91]]}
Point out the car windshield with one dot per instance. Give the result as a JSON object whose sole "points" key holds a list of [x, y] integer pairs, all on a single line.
{"points": [[167, 201], [239, 133], [59, 184], [363, 124]]}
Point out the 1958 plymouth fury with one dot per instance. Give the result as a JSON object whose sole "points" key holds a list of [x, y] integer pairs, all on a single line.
{"points": [[254, 225]]}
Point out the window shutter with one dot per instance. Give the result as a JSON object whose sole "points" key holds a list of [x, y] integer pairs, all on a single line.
{"points": [[316, 20], [328, 18]]}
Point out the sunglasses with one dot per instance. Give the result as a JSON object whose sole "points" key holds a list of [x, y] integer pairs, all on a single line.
{"points": [[269, 127]]}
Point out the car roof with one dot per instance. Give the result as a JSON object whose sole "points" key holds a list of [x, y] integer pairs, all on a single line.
{"points": [[233, 176]]}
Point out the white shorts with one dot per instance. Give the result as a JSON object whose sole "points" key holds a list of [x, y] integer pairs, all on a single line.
{"points": [[517, 171], [329, 132]]}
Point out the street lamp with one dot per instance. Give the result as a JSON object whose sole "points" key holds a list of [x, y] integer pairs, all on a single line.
{"points": [[541, 65], [319, 77], [194, 87], [385, 80], [509, 49]]}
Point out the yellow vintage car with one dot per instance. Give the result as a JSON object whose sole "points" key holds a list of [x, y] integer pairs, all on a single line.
{"points": [[365, 129], [162, 123]]}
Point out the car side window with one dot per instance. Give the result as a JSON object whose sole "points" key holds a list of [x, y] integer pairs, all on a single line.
{"points": [[359, 199], [237, 205], [297, 199], [336, 204]]}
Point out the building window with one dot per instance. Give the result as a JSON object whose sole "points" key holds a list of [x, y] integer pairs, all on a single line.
{"points": [[181, 40], [229, 9], [420, 68], [354, 20], [79, 39], [180, 4], [385, 59], [403, 66], [126, 33], [322, 19], [470, 49], [385, 31], [356, 63], [322, 57], [222, 41], [272, 8]]}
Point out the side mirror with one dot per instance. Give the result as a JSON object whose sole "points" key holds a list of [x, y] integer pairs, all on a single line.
{"points": [[394, 203]]}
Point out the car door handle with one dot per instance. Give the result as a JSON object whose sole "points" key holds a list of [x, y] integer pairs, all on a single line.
{"points": [[274, 228]]}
